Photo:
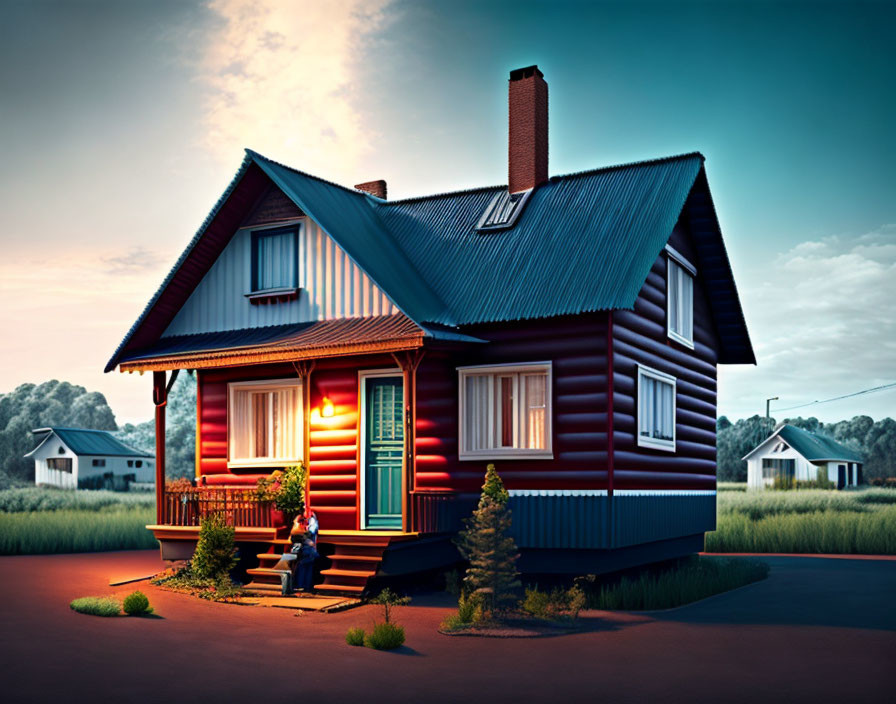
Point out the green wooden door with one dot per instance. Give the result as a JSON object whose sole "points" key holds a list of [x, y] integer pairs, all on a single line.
{"points": [[383, 450]]}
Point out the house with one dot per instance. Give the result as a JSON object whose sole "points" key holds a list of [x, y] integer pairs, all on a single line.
{"points": [[567, 329], [793, 454], [77, 458]]}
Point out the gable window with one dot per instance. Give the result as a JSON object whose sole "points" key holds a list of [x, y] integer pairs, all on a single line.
{"points": [[264, 423], [274, 260], [505, 410], [60, 464], [680, 298], [656, 409]]}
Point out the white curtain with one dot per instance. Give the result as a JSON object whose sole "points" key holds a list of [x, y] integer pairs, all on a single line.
{"points": [[505, 411], [265, 423], [681, 301], [656, 408]]}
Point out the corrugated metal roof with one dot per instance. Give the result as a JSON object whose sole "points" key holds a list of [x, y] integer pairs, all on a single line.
{"points": [[91, 442], [815, 447], [583, 243]]}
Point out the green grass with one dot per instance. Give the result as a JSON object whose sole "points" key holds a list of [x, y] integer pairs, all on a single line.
{"points": [[731, 486], [42, 532], [33, 498], [97, 606], [871, 531], [691, 580]]}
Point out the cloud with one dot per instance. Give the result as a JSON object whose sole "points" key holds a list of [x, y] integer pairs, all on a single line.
{"points": [[280, 77], [137, 260], [822, 323]]}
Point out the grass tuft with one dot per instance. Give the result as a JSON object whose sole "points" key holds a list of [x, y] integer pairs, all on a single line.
{"points": [[355, 636], [96, 606], [385, 636]]}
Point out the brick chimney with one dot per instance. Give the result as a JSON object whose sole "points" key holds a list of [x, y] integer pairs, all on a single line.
{"points": [[528, 148], [374, 188]]}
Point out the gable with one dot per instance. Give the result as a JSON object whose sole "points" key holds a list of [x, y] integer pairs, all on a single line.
{"points": [[331, 285]]}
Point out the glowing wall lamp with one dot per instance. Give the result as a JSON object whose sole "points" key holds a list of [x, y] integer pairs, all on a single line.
{"points": [[327, 410]]}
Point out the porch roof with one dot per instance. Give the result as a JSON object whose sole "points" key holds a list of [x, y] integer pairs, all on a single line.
{"points": [[277, 343]]}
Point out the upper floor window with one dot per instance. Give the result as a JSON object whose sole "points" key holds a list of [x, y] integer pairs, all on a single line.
{"points": [[656, 409], [274, 260], [264, 423], [505, 410], [680, 298]]}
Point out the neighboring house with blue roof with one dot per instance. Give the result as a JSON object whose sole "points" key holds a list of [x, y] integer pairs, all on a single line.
{"points": [[566, 328], [792, 454], [78, 458]]}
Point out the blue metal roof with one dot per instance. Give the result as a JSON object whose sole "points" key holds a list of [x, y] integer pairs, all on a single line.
{"points": [[815, 447], [584, 242], [92, 442]]}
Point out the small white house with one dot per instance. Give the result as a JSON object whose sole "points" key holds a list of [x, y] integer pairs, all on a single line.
{"points": [[75, 458], [794, 453]]}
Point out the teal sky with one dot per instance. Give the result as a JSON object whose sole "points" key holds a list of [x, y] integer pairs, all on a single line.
{"points": [[121, 123]]}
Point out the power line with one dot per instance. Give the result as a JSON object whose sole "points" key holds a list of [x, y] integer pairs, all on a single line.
{"points": [[838, 398]]}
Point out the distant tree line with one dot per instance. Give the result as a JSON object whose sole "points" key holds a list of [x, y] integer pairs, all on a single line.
{"points": [[61, 404], [876, 442]]}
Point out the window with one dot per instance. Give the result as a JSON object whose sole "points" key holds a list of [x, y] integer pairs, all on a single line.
{"points": [[680, 298], [264, 423], [130, 463], [274, 260], [503, 210], [772, 468], [61, 464], [505, 410], [138, 463], [61, 450], [99, 463], [656, 409]]}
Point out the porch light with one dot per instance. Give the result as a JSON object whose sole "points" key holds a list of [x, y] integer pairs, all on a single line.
{"points": [[327, 410]]}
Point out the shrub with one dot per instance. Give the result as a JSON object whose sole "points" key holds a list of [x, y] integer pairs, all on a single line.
{"points": [[554, 605], [471, 611], [389, 600], [215, 552], [96, 606], [385, 636], [184, 579], [355, 636], [136, 604]]}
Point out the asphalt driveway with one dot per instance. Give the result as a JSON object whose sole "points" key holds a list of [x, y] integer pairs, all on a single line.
{"points": [[817, 630]]}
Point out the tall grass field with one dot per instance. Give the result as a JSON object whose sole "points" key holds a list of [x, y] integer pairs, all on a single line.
{"points": [[42, 521], [807, 521]]}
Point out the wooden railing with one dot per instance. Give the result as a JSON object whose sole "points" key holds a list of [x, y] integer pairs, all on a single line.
{"points": [[241, 507], [435, 512]]}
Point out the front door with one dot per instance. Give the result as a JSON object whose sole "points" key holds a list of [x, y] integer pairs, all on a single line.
{"points": [[383, 444]]}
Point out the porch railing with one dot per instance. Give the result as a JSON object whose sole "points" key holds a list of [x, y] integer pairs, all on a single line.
{"points": [[241, 507]]}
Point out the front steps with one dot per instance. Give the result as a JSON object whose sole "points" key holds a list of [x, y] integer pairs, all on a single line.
{"points": [[355, 558]]}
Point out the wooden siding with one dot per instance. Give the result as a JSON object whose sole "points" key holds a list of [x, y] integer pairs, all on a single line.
{"points": [[576, 347], [639, 336], [331, 286]]}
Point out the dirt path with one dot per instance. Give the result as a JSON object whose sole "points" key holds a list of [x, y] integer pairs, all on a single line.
{"points": [[817, 630]]}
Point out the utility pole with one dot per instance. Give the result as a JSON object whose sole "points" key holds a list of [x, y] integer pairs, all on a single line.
{"points": [[767, 404]]}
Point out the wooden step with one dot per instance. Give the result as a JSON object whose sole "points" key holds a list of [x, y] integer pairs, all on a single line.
{"points": [[267, 571], [271, 556], [354, 574], [343, 557], [265, 587], [339, 588]]}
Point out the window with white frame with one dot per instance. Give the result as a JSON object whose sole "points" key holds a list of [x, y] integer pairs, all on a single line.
{"points": [[264, 423], [680, 298], [656, 409], [505, 410]]}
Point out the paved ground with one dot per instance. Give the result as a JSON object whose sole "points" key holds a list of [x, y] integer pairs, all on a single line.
{"points": [[817, 630]]}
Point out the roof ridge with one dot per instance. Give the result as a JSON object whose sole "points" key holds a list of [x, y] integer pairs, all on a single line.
{"points": [[556, 177], [354, 191]]}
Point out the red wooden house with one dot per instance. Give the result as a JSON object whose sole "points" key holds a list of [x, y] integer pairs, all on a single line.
{"points": [[566, 328]]}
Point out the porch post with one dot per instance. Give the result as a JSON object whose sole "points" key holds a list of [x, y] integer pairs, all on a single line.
{"points": [[409, 362], [160, 398]]}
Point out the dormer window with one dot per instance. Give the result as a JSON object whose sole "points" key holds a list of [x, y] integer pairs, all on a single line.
{"points": [[274, 260], [503, 210], [680, 298]]}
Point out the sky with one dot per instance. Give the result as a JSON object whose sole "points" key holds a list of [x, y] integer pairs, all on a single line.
{"points": [[121, 123]]}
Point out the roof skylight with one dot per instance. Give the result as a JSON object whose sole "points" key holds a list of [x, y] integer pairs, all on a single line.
{"points": [[503, 210]]}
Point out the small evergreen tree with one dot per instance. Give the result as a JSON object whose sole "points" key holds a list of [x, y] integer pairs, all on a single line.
{"points": [[485, 542]]}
